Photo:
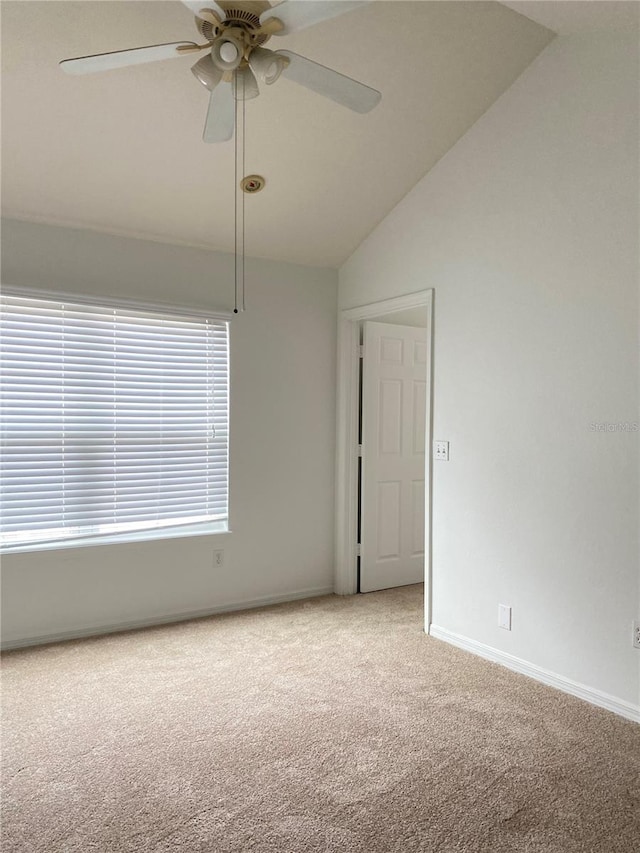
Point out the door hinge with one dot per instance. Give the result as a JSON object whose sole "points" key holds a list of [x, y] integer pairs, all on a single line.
{"points": [[359, 450], [358, 550], [361, 350]]}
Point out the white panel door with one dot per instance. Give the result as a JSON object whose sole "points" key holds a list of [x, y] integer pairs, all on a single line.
{"points": [[394, 428]]}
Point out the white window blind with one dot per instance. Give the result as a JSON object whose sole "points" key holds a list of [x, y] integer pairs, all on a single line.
{"points": [[113, 420]]}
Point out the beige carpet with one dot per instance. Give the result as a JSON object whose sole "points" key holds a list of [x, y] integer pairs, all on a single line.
{"points": [[328, 725]]}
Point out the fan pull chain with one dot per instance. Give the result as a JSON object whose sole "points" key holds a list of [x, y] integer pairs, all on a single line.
{"points": [[244, 172], [239, 226], [235, 198]]}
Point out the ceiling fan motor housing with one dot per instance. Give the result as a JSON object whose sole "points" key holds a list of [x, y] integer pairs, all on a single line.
{"points": [[247, 19]]}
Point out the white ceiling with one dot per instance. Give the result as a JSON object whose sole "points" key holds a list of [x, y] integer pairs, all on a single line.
{"points": [[572, 17], [122, 151]]}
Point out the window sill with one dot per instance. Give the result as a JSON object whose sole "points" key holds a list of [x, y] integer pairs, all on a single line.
{"points": [[206, 528]]}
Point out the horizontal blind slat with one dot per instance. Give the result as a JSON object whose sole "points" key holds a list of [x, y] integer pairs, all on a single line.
{"points": [[112, 417]]}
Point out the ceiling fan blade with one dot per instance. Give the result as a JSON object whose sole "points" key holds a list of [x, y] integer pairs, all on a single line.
{"points": [[122, 58], [343, 90], [196, 7], [220, 115], [297, 14]]}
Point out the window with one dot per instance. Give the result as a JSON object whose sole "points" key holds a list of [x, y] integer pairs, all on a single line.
{"points": [[114, 421]]}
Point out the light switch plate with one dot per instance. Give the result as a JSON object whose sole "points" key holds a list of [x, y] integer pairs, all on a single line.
{"points": [[504, 617]]}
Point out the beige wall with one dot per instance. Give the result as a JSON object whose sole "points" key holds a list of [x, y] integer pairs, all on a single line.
{"points": [[281, 440], [528, 232]]}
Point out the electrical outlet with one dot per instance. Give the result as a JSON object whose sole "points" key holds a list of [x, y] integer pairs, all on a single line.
{"points": [[218, 558], [636, 635], [504, 617], [441, 450]]}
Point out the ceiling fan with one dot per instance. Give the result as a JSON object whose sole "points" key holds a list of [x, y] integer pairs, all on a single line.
{"points": [[235, 32]]}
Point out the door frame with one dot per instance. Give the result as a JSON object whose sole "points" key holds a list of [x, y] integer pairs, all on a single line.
{"points": [[349, 319]]}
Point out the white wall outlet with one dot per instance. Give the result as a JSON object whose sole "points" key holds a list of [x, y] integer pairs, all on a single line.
{"points": [[504, 617], [441, 450], [636, 635], [218, 558]]}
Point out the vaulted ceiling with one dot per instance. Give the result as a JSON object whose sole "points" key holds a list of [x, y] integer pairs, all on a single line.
{"points": [[122, 152]]}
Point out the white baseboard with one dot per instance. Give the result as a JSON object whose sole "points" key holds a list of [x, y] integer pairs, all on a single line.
{"points": [[567, 685], [98, 630]]}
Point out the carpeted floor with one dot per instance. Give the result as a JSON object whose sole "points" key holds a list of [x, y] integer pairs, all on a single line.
{"points": [[333, 724]]}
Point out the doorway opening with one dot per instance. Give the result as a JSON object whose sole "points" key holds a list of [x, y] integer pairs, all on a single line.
{"points": [[393, 326]]}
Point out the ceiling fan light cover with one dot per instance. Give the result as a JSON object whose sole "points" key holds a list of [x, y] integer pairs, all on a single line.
{"points": [[266, 65], [244, 85], [227, 52], [207, 73]]}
